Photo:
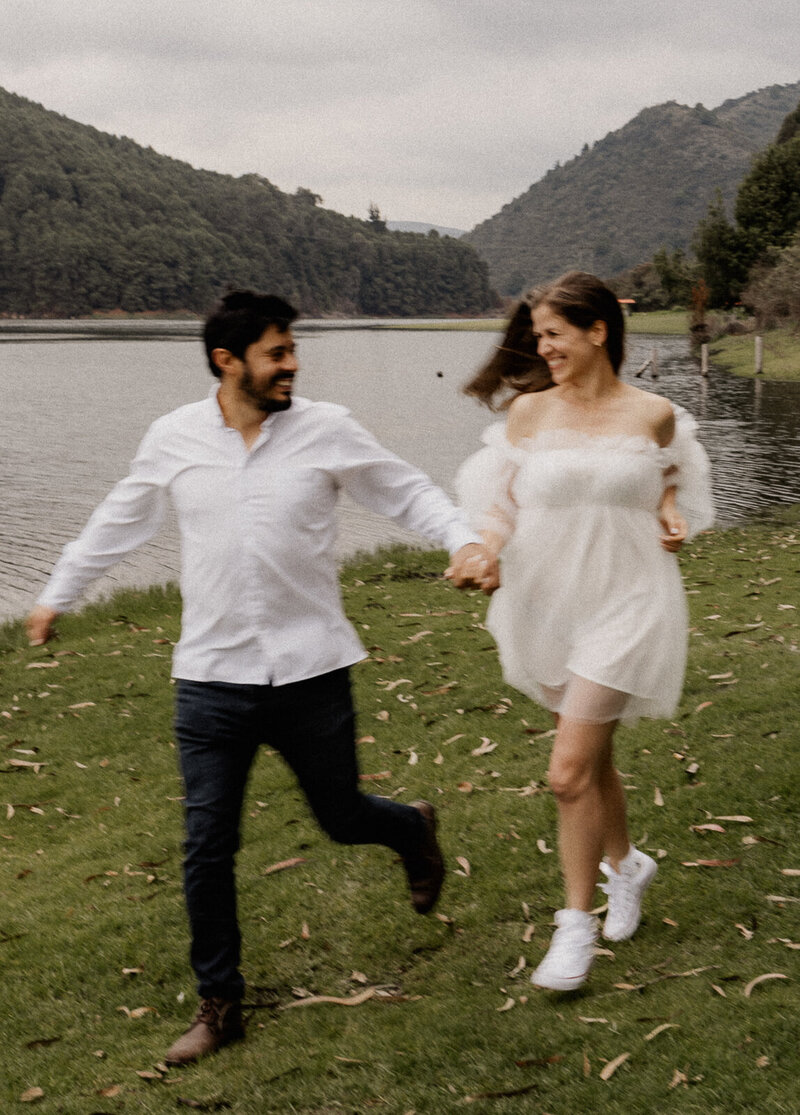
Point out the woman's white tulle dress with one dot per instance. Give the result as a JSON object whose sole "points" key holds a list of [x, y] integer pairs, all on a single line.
{"points": [[591, 618]]}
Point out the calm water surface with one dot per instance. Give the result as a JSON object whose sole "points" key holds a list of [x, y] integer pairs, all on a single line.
{"points": [[74, 409]]}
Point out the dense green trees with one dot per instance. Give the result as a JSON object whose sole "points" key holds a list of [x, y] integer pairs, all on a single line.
{"points": [[767, 219], [90, 221]]}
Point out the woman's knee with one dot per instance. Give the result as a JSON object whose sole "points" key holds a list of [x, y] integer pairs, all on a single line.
{"points": [[570, 779]]}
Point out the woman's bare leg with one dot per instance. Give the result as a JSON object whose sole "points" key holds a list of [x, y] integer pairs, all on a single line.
{"points": [[591, 805]]}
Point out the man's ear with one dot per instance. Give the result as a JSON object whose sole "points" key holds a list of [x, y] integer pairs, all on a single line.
{"points": [[225, 360]]}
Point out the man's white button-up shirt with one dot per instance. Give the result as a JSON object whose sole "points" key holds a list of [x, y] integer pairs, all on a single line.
{"points": [[259, 579]]}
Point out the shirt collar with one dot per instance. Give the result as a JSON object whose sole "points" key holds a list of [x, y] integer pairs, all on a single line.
{"points": [[218, 419]]}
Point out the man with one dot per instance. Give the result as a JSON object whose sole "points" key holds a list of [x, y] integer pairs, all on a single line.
{"points": [[265, 648]]}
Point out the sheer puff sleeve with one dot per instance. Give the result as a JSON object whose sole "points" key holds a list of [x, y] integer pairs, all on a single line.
{"points": [[483, 485], [690, 471]]}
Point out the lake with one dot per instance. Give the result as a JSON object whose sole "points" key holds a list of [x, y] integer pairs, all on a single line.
{"points": [[77, 398]]}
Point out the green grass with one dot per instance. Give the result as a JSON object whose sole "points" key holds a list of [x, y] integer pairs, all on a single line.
{"points": [[781, 358], [92, 934], [664, 322], [673, 323]]}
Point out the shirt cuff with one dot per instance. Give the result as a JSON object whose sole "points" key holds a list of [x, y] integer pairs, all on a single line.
{"points": [[459, 536]]}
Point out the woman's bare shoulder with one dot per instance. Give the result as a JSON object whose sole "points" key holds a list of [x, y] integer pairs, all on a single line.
{"points": [[524, 415], [658, 414]]}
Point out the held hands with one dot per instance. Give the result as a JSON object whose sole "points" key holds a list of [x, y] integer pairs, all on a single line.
{"points": [[40, 625], [474, 566]]}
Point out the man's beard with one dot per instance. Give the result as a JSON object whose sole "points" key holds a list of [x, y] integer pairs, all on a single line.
{"points": [[260, 396]]}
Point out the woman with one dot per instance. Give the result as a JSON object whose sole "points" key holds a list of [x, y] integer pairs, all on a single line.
{"points": [[589, 492]]}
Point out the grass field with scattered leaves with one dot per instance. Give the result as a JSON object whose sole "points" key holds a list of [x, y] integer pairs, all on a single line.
{"points": [[356, 1004]]}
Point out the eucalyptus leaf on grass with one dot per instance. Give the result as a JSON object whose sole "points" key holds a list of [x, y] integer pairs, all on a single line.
{"points": [[404, 1013]]}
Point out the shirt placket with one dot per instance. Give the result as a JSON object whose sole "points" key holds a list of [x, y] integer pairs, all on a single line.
{"points": [[254, 589]]}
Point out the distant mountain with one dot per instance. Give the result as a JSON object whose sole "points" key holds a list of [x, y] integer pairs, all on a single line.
{"points": [[95, 222], [424, 229], [639, 189]]}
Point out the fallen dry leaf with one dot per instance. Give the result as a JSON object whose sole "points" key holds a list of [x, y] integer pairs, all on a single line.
{"points": [[658, 797], [27, 763], [464, 863], [741, 820], [761, 979], [507, 1005], [679, 1078], [745, 932], [707, 828], [660, 1030], [608, 1070], [485, 748], [32, 1095], [710, 863], [790, 871], [284, 865], [518, 967], [315, 1000], [415, 638]]}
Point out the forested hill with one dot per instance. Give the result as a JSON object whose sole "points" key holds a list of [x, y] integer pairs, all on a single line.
{"points": [[90, 221], [639, 189]]}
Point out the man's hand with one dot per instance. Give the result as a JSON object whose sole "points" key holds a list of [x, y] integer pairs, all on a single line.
{"points": [[474, 566], [40, 625]]}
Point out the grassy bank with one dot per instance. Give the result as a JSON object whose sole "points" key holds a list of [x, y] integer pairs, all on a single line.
{"points": [[442, 1015], [781, 358], [664, 322]]}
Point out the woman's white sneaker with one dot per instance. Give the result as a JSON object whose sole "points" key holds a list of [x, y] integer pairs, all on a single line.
{"points": [[571, 952], [625, 889]]}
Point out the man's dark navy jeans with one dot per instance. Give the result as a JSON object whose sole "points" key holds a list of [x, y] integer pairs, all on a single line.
{"points": [[219, 728]]}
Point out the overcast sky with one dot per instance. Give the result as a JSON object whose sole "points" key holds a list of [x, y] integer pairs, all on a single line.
{"points": [[435, 110]]}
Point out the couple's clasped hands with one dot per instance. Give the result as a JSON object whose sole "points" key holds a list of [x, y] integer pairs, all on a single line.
{"points": [[474, 566]]}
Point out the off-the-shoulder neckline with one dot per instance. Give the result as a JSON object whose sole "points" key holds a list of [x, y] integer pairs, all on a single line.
{"points": [[567, 436]]}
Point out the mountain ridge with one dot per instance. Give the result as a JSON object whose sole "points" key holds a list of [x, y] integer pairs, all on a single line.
{"points": [[640, 188]]}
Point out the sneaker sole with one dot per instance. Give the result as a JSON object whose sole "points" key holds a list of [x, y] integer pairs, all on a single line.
{"points": [[556, 984]]}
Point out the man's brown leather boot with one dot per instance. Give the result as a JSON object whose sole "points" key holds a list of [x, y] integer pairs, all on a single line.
{"points": [[217, 1023]]}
